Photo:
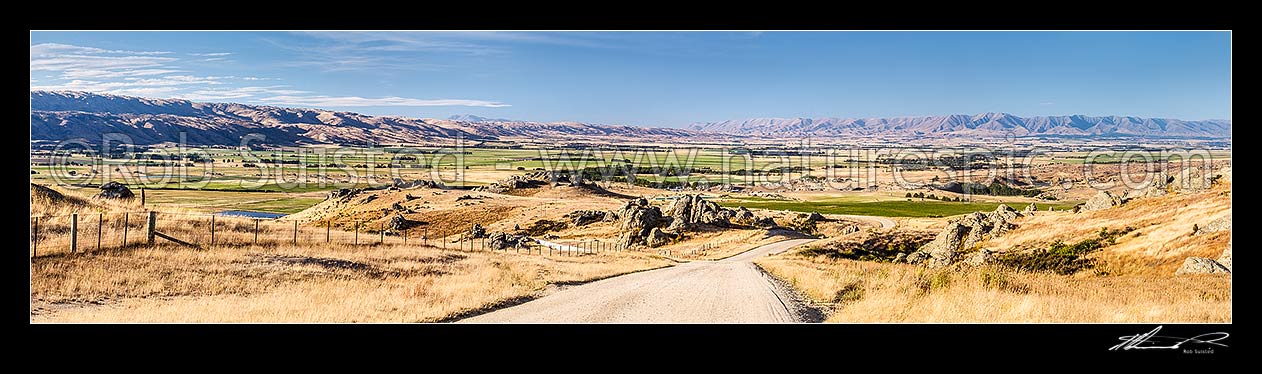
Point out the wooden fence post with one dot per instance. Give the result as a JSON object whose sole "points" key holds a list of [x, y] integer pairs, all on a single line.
{"points": [[125, 219], [256, 231], [35, 238], [328, 229], [405, 238], [295, 232], [153, 225], [356, 232], [383, 234], [212, 230], [142, 197], [74, 232], [100, 224]]}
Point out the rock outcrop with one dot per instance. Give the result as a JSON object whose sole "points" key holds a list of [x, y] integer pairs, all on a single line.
{"points": [[532, 180], [1030, 209], [688, 211], [115, 190], [1201, 265], [503, 241], [1102, 200], [586, 217], [964, 234]]}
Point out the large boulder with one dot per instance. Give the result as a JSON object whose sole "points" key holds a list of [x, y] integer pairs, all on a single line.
{"points": [[979, 258], [943, 249], [115, 190], [1225, 259], [1030, 209], [477, 231], [658, 238], [399, 223], [742, 216], [638, 219], [1102, 200], [501, 241], [1201, 265]]}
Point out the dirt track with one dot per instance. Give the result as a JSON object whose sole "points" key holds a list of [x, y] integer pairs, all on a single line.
{"points": [[732, 290]]}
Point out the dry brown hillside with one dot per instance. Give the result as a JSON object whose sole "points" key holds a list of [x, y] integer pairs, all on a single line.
{"points": [[1161, 241]]}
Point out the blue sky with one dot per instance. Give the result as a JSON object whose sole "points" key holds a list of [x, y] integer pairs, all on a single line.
{"points": [[657, 78]]}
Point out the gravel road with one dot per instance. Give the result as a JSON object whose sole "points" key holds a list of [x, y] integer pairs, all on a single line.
{"points": [[731, 290]]}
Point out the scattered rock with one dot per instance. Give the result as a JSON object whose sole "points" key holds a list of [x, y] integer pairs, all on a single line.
{"points": [[900, 257], [1030, 209], [343, 192], [1201, 265], [115, 190], [1102, 200], [468, 197], [849, 229], [369, 199]]}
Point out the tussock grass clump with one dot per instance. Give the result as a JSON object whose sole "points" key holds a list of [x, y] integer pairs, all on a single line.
{"points": [[1061, 258]]}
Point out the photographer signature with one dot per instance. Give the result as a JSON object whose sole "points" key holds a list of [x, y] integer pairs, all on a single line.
{"points": [[1151, 340]]}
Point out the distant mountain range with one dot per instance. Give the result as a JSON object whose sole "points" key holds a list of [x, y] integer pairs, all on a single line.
{"points": [[65, 115], [981, 125], [476, 118]]}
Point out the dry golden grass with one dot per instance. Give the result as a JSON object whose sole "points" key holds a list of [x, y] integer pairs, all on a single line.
{"points": [[333, 283], [1158, 246], [883, 292]]}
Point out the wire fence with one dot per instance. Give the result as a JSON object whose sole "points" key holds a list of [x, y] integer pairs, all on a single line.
{"points": [[60, 235]]}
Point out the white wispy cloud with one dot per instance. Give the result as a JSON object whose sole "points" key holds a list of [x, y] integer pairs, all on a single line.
{"points": [[356, 101], [1047, 103], [229, 93], [160, 74]]}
